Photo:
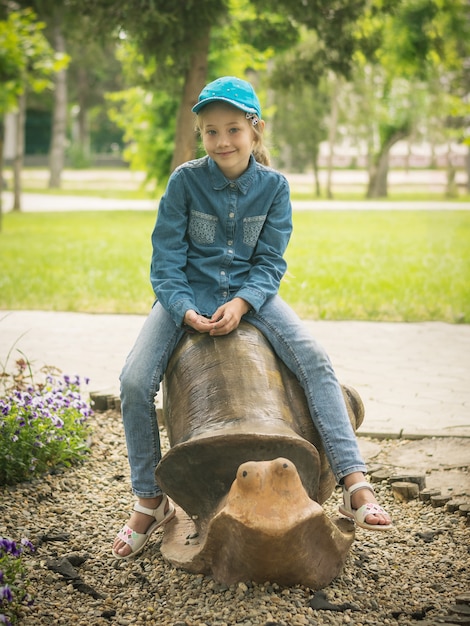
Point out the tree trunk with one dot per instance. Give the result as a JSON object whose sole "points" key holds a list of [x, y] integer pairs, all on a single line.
{"points": [[59, 120], [185, 139], [378, 184], [83, 131], [20, 118], [315, 171], [332, 135], [451, 186], [2, 144], [467, 168]]}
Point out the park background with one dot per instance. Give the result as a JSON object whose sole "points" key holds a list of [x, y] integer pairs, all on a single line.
{"points": [[363, 101]]}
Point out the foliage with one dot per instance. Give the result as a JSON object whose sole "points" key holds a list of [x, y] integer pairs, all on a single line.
{"points": [[146, 116], [42, 425], [146, 109], [303, 105], [26, 59], [161, 29], [334, 24], [13, 582]]}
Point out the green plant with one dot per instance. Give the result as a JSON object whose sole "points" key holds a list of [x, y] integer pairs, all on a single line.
{"points": [[78, 157], [13, 582], [42, 425]]}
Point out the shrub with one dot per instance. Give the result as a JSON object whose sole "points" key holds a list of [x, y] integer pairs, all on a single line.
{"points": [[42, 425], [13, 583]]}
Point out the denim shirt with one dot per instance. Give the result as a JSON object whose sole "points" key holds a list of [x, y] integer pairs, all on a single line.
{"points": [[216, 239]]}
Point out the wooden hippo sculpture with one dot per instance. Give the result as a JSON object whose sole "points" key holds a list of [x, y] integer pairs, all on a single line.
{"points": [[246, 467]]}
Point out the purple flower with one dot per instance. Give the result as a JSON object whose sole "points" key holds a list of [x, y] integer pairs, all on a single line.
{"points": [[7, 546], [5, 593], [27, 544]]}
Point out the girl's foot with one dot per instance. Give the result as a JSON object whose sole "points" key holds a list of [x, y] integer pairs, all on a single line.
{"points": [[127, 542], [360, 504]]}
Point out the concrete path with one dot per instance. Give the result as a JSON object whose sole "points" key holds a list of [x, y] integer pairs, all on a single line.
{"points": [[36, 202], [414, 379]]}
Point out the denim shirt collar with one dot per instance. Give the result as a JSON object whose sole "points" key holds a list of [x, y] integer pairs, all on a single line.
{"points": [[243, 182]]}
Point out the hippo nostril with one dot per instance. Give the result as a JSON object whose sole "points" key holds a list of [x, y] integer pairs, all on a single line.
{"points": [[245, 473], [285, 465]]}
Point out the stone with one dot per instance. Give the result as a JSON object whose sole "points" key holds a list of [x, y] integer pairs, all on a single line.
{"points": [[405, 491], [464, 509], [380, 475], [101, 401], [453, 505], [319, 602], [441, 500], [426, 494], [418, 479]]}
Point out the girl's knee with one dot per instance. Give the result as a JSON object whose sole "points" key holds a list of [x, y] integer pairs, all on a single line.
{"points": [[134, 381]]}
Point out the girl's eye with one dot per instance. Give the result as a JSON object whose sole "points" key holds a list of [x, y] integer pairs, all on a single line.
{"points": [[210, 132], [234, 130]]}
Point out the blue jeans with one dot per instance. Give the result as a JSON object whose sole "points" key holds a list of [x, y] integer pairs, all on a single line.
{"points": [[292, 342]]}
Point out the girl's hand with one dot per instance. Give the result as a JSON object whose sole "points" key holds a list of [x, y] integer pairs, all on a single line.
{"points": [[228, 316], [200, 323]]}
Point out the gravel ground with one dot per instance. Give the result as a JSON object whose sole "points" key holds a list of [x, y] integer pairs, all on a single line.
{"points": [[411, 575]]}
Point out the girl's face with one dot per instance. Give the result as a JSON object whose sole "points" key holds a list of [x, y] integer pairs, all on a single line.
{"points": [[227, 137]]}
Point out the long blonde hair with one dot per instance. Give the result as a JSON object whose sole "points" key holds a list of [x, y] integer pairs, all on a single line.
{"points": [[260, 151]]}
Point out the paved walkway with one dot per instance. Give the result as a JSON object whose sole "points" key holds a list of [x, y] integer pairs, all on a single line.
{"points": [[413, 378], [37, 202]]}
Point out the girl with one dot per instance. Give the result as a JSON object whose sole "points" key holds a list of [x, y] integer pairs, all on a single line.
{"points": [[222, 228]]}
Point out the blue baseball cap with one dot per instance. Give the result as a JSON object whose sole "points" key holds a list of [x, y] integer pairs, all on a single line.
{"points": [[235, 91]]}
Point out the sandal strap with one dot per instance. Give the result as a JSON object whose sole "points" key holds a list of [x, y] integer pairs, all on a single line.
{"points": [[363, 484], [348, 493], [129, 536], [368, 509], [158, 513]]}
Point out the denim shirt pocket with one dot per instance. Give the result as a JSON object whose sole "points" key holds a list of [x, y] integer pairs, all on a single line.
{"points": [[202, 227], [251, 229]]}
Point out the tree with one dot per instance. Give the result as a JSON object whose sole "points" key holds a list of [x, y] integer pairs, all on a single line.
{"points": [[26, 62], [424, 41], [177, 36], [300, 118], [59, 117], [146, 110]]}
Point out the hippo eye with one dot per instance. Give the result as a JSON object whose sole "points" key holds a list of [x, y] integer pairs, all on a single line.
{"points": [[285, 465], [245, 473]]}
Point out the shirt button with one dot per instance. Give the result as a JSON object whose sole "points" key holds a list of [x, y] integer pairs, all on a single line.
{"points": [[222, 273], [230, 251], [232, 185], [229, 242], [231, 214]]}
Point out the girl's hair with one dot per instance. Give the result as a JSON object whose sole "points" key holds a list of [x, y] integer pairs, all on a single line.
{"points": [[260, 151]]}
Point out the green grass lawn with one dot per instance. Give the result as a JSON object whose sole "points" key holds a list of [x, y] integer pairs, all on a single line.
{"points": [[362, 265]]}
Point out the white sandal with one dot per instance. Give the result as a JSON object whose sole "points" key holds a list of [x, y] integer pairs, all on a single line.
{"points": [[359, 515], [138, 541]]}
